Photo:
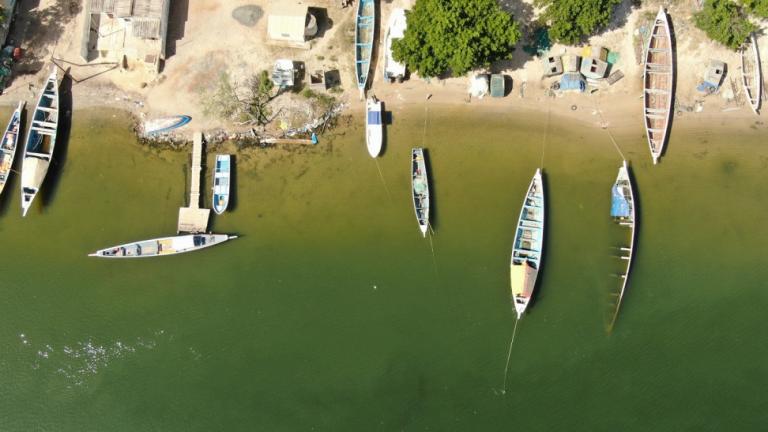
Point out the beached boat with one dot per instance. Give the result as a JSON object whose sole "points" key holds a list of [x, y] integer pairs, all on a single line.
{"points": [[221, 183], [623, 212], [165, 124], [420, 189], [163, 246], [751, 75], [528, 245], [41, 141], [658, 83], [374, 126], [9, 144], [365, 25], [393, 70]]}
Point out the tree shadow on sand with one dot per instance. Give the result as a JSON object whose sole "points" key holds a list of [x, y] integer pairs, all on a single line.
{"points": [[37, 29]]}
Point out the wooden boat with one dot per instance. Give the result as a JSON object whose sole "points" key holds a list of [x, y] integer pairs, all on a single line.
{"points": [[165, 124], [9, 144], [221, 175], [623, 212], [163, 246], [658, 83], [420, 189], [751, 75], [374, 126], [528, 245], [365, 26], [393, 70], [41, 141]]}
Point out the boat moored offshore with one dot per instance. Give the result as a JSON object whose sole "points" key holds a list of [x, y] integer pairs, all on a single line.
{"points": [[163, 246], [528, 245], [221, 183], [623, 211], [420, 189]]}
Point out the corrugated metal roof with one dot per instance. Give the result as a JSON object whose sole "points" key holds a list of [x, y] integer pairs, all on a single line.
{"points": [[121, 8], [130, 8], [146, 28], [148, 8]]}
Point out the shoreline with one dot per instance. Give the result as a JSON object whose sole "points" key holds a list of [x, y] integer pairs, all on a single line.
{"points": [[195, 62]]}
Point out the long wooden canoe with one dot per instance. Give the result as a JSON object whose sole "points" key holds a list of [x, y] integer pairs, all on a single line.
{"points": [[41, 141], [528, 246], [623, 211], [420, 189], [9, 144], [751, 76], [658, 84], [365, 25]]}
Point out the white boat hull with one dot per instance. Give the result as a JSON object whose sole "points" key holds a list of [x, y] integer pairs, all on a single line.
{"points": [[221, 183], [658, 84], [374, 127], [163, 246], [40, 143], [528, 246], [394, 70]]}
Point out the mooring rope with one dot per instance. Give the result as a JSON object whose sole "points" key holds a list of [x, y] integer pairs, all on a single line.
{"points": [[381, 176], [509, 355], [610, 135]]}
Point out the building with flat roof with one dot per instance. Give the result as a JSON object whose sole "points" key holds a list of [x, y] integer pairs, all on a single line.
{"points": [[126, 31]]}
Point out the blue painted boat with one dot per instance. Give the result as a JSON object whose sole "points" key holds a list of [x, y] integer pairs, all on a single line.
{"points": [[9, 144], [365, 25], [623, 212], [165, 124]]}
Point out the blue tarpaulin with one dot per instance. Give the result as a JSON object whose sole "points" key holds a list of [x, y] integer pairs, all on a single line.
{"points": [[619, 204], [374, 117], [572, 81]]}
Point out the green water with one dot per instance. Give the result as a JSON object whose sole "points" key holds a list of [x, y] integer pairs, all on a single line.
{"points": [[331, 313]]}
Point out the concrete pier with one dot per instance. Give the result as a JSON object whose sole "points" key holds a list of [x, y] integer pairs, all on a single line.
{"points": [[194, 219]]}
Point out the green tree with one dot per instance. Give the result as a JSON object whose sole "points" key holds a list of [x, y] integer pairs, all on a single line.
{"points": [[571, 20], [244, 104], [757, 7], [455, 36], [724, 21]]}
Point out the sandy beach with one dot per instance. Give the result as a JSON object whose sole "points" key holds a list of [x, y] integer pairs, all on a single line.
{"points": [[205, 38]]}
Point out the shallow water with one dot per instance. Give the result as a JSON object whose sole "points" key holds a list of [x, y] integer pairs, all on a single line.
{"points": [[332, 313]]}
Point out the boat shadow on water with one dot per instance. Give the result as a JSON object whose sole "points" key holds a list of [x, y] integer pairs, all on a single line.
{"points": [[537, 295], [51, 183], [432, 195], [673, 44]]}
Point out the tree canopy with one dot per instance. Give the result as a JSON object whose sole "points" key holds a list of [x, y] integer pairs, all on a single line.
{"points": [[571, 20], [757, 7], [455, 36], [724, 21]]}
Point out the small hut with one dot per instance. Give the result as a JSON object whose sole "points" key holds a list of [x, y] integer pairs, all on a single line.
{"points": [[553, 65], [571, 63], [283, 74], [291, 23], [497, 85], [594, 68]]}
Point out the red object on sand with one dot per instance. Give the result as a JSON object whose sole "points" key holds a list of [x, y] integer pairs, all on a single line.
{"points": [[17, 53]]}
